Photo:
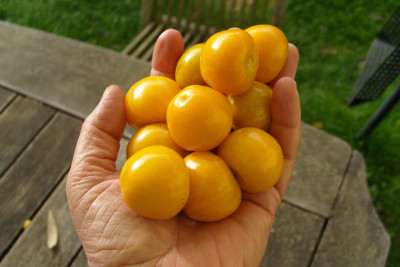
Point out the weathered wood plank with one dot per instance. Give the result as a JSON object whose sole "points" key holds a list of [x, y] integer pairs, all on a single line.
{"points": [[170, 9], [320, 167], [186, 37], [231, 14], [138, 39], [278, 13], [80, 260], [220, 14], [146, 13], [149, 53], [242, 13], [129, 131], [33, 176], [146, 43], [354, 235], [180, 13], [61, 72], [195, 40], [253, 15], [19, 123], [293, 237], [5, 98], [31, 250]]}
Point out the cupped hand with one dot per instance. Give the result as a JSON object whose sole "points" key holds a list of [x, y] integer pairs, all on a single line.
{"points": [[114, 235]]}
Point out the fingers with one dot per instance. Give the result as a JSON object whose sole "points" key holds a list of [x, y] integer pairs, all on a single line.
{"points": [[285, 126], [269, 200], [290, 67], [98, 143], [167, 51]]}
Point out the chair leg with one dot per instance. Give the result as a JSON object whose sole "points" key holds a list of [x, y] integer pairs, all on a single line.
{"points": [[383, 110]]}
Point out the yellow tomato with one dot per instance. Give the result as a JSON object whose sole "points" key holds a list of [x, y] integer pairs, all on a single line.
{"points": [[199, 118], [273, 50], [151, 135], [155, 182], [229, 61], [214, 192], [188, 68], [147, 100], [252, 108], [254, 157]]}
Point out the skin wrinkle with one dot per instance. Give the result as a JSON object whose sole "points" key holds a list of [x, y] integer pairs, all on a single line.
{"points": [[107, 220], [268, 226], [96, 202], [217, 248], [101, 148], [118, 225], [246, 234], [90, 202]]}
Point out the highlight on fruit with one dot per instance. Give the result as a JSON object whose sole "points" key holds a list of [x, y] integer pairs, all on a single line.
{"points": [[203, 139]]}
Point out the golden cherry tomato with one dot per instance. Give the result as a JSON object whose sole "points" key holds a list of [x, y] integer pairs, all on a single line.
{"points": [[229, 61], [273, 50], [155, 182], [151, 135], [188, 68], [147, 100], [214, 192], [252, 108], [254, 157], [199, 118]]}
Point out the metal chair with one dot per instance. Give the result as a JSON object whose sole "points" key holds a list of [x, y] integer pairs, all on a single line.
{"points": [[382, 66]]}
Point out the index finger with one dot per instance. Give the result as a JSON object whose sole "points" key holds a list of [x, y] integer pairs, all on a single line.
{"points": [[166, 54]]}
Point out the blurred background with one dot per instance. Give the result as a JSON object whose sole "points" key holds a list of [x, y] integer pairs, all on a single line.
{"points": [[332, 36]]}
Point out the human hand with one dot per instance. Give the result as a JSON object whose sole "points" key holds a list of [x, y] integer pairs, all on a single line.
{"points": [[113, 235]]}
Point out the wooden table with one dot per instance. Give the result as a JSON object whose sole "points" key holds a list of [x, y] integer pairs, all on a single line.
{"points": [[49, 84]]}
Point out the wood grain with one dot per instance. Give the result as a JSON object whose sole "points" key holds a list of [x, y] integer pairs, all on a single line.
{"points": [[80, 260], [6, 97], [19, 123], [293, 237], [321, 164], [61, 72], [354, 235], [34, 175], [31, 248]]}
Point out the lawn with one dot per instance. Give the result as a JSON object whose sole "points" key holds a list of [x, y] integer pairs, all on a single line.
{"points": [[331, 36]]}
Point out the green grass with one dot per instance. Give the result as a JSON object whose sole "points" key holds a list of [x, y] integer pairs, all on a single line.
{"points": [[331, 36], [109, 23], [346, 29]]}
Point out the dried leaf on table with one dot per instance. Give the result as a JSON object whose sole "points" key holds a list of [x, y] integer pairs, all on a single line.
{"points": [[330, 51], [318, 124], [322, 28], [52, 233], [376, 17]]}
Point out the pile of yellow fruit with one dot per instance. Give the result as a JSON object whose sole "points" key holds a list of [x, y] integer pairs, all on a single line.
{"points": [[203, 138]]}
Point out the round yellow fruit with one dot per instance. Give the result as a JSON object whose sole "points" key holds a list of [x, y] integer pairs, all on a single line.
{"points": [[155, 182], [214, 192], [151, 135], [254, 157]]}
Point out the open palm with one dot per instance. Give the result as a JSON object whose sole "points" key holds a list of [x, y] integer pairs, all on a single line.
{"points": [[114, 235]]}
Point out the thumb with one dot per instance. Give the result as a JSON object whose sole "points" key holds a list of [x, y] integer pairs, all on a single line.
{"points": [[98, 143]]}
